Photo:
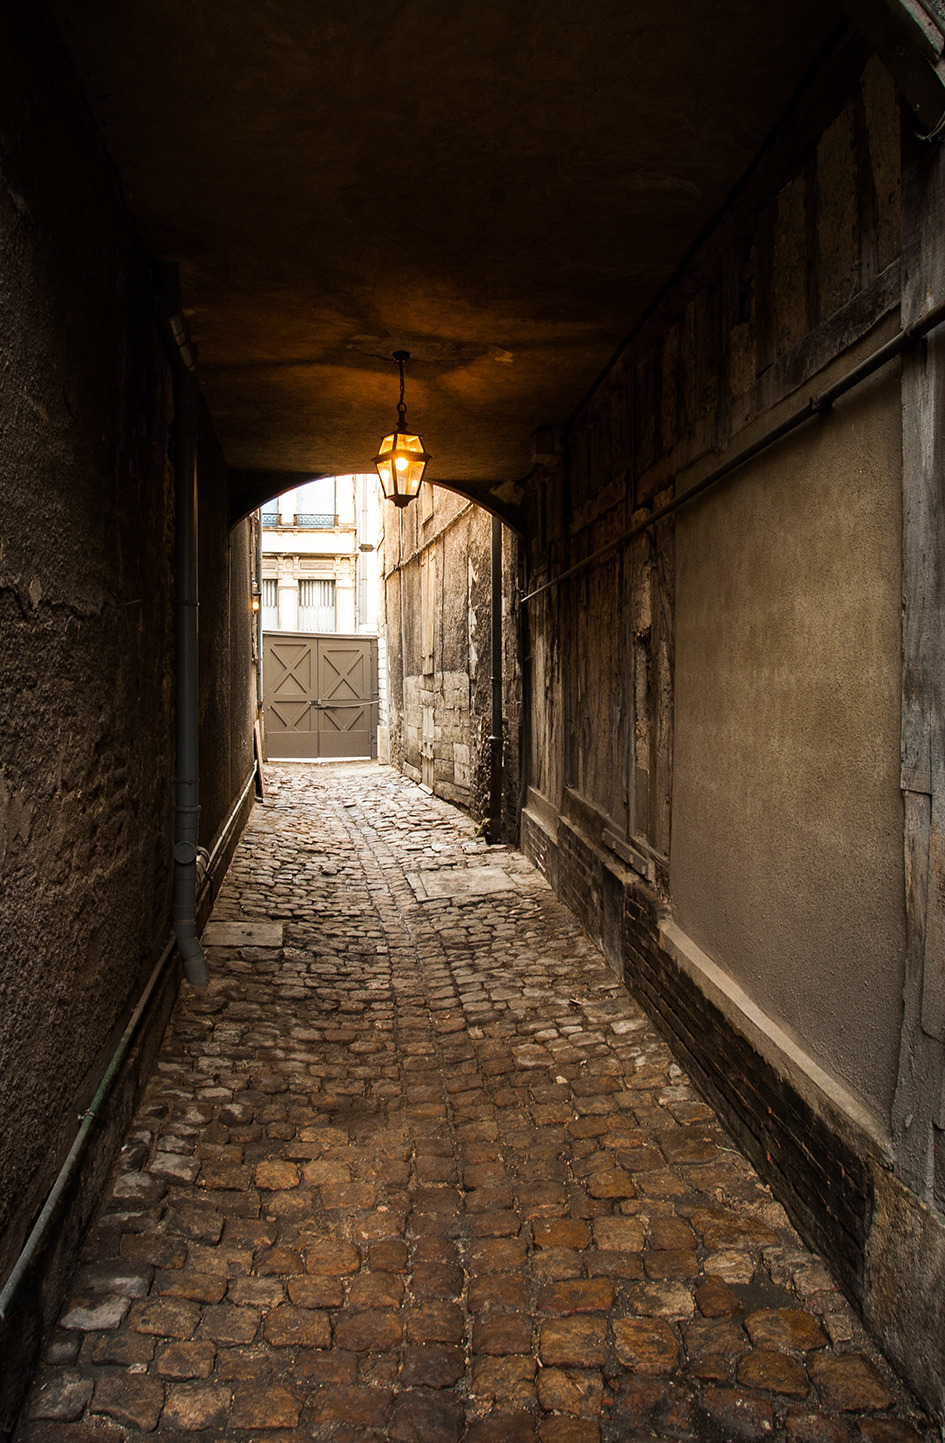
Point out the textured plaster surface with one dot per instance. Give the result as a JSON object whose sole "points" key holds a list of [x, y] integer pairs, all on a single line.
{"points": [[86, 597], [85, 587], [227, 686], [787, 818], [453, 541]]}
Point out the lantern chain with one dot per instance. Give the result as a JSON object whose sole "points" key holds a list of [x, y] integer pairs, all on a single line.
{"points": [[401, 357]]}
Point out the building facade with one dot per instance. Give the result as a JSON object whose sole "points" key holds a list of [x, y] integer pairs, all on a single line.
{"points": [[319, 564]]}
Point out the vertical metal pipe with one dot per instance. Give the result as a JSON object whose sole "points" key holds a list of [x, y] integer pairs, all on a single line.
{"points": [[183, 359], [495, 740], [525, 718], [257, 561], [186, 730]]}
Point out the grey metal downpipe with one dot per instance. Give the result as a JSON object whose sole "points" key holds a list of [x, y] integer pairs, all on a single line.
{"points": [[187, 786], [495, 740], [187, 814], [257, 551]]}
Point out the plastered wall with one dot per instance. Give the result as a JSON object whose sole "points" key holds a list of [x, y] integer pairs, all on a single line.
{"points": [[722, 692], [787, 814], [86, 637], [85, 612], [225, 621]]}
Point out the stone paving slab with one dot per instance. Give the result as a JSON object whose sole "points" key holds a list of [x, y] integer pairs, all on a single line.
{"points": [[242, 934], [424, 1171], [453, 882]]}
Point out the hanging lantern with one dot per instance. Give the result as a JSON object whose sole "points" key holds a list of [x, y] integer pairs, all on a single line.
{"points": [[401, 460]]}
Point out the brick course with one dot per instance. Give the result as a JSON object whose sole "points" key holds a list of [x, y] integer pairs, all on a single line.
{"points": [[822, 1181]]}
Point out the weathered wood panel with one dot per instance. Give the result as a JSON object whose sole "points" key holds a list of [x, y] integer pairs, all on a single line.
{"points": [[920, 1102], [815, 271]]}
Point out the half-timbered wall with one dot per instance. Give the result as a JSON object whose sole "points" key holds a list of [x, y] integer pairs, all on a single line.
{"points": [[715, 703]]}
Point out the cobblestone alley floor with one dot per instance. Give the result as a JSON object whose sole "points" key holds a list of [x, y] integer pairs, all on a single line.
{"points": [[421, 1170]]}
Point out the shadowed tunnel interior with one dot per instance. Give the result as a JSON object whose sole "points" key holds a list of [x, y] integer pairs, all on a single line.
{"points": [[501, 190], [671, 280]]}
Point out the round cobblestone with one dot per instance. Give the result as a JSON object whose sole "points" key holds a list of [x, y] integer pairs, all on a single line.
{"points": [[384, 1167]]}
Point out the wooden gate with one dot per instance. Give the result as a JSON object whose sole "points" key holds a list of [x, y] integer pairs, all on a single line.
{"points": [[320, 695]]}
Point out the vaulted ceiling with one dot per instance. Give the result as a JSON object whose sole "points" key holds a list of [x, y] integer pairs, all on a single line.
{"points": [[499, 187]]}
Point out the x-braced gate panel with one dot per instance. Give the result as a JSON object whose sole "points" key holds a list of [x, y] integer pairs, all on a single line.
{"points": [[320, 695]]}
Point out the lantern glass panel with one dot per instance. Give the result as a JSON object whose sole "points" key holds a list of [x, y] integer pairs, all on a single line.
{"points": [[400, 464]]}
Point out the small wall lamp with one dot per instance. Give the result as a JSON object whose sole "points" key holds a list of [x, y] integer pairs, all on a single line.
{"points": [[401, 460]]}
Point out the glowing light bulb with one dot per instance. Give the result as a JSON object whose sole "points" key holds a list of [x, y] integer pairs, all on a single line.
{"points": [[401, 463]]}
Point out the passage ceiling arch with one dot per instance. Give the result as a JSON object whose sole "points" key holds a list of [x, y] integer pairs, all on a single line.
{"points": [[501, 190]]}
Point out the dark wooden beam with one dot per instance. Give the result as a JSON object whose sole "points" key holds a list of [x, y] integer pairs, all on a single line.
{"points": [[919, 1106], [910, 43]]}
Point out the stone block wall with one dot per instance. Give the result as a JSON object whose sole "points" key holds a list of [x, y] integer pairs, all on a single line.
{"points": [[437, 587]]}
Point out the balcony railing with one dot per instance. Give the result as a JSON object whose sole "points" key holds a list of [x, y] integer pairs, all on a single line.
{"points": [[320, 520], [312, 520]]}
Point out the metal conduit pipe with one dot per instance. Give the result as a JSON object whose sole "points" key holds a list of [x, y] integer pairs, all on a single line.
{"points": [[257, 546], [41, 1225], [46, 1215], [816, 406], [187, 784], [224, 835]]}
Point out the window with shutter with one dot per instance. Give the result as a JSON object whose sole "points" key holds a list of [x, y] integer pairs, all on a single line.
{"points": [[316, 606], [270, 604]]}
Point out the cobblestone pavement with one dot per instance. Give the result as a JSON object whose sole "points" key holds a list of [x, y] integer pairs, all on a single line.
{"points": [[425, 1171]]}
